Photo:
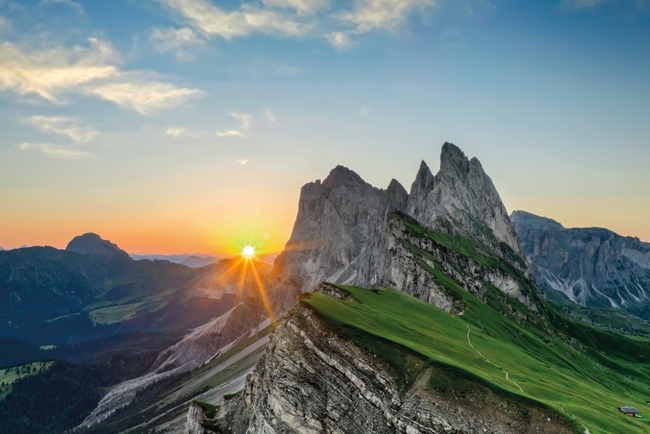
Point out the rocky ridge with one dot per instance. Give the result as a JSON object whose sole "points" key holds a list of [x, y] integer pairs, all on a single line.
{"points": [[347, 231], [590, 266], [313, 381]]}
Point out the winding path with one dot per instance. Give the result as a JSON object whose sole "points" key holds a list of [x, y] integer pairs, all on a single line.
{"points": [[469, 330]]}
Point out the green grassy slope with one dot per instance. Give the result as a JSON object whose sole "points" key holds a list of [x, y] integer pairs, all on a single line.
{"points": [[540, 366], [582, 372]]}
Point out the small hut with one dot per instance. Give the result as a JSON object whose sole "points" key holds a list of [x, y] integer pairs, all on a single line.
{"points": [[630, 411]]}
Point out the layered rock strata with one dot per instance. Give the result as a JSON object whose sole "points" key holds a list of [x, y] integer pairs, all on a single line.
{"points": [[313, 381]]}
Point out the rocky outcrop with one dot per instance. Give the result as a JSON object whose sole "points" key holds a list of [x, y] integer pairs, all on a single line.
{"points": [[461, 198], [332, 230], [415, 259], [590, 266], [313, 381], [344, 233], [195, 417]]}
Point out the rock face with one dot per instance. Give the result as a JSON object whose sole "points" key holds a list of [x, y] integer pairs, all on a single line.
{"points": [[591, 266], [346, 231], [333, 229], [461, 194], [195, 417], [313, 381]]}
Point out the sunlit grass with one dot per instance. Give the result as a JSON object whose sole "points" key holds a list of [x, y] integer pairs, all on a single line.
{"points": [[570, 381]]}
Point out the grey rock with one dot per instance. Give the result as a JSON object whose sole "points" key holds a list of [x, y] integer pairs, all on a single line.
{"points": [[462, 199], [332, 230], [313, 381], [343, 231], [590, 266]]}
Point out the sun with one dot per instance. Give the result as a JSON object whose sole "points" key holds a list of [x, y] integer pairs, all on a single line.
{"points": [[248, 252]]}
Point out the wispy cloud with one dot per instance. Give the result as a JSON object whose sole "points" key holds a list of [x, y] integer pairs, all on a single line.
{"points": [[230, 133], [269, 116], [298, 18], [301, 6], [586, 4], [211, 20], [382, 14], [364, 110], [175, 41], [245, 122], [245, 119], [340, 40], [374, 15], [176, 131], [93, 71], [181, 132], [64, 126], [242, 162], [56, 151], [130, 91], [4, 23], [73, 5]]}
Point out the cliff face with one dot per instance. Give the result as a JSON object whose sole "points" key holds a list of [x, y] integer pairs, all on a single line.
{"points": [[313, 381], [346, 232], [332, 231], [591, 266]]}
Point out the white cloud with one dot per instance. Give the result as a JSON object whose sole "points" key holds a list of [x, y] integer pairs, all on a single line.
{"points": [[242, 162], [4, 23], [245, 122], [181, 132], [585, 4], [340, 40], [211, 20], [175, 40], [93, 70], [175, 131], [73, 5], [382, 14], [64, 126], [364, 110], [301, 6], [141, 95], [56, 151], [269, 116], [580, 4], [230, 133], [245, 119]]}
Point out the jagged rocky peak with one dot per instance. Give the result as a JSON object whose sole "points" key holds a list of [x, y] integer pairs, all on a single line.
{"points": [[333, 226], [345, 230], [93, 244], [422, 186], [395, 198], [462, 198], [453, 161]]}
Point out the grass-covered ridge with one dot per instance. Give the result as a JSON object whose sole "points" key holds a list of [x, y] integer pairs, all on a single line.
{"points": [[541, 366]]}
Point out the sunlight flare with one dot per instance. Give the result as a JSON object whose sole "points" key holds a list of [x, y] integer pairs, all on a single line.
{"points": [[248, 252]]}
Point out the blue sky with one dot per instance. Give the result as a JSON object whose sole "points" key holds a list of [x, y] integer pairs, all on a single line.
{"points": [[189, 125]]}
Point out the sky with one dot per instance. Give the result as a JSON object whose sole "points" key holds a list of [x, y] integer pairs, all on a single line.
{"points": [[171, 126]]}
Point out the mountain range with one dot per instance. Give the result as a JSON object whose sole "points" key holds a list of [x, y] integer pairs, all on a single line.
{"points": [[389, 311], [593, 267]]}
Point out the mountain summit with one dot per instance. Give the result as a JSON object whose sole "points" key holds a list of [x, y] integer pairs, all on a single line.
{"points": [[93, 244], [348, 231]]}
